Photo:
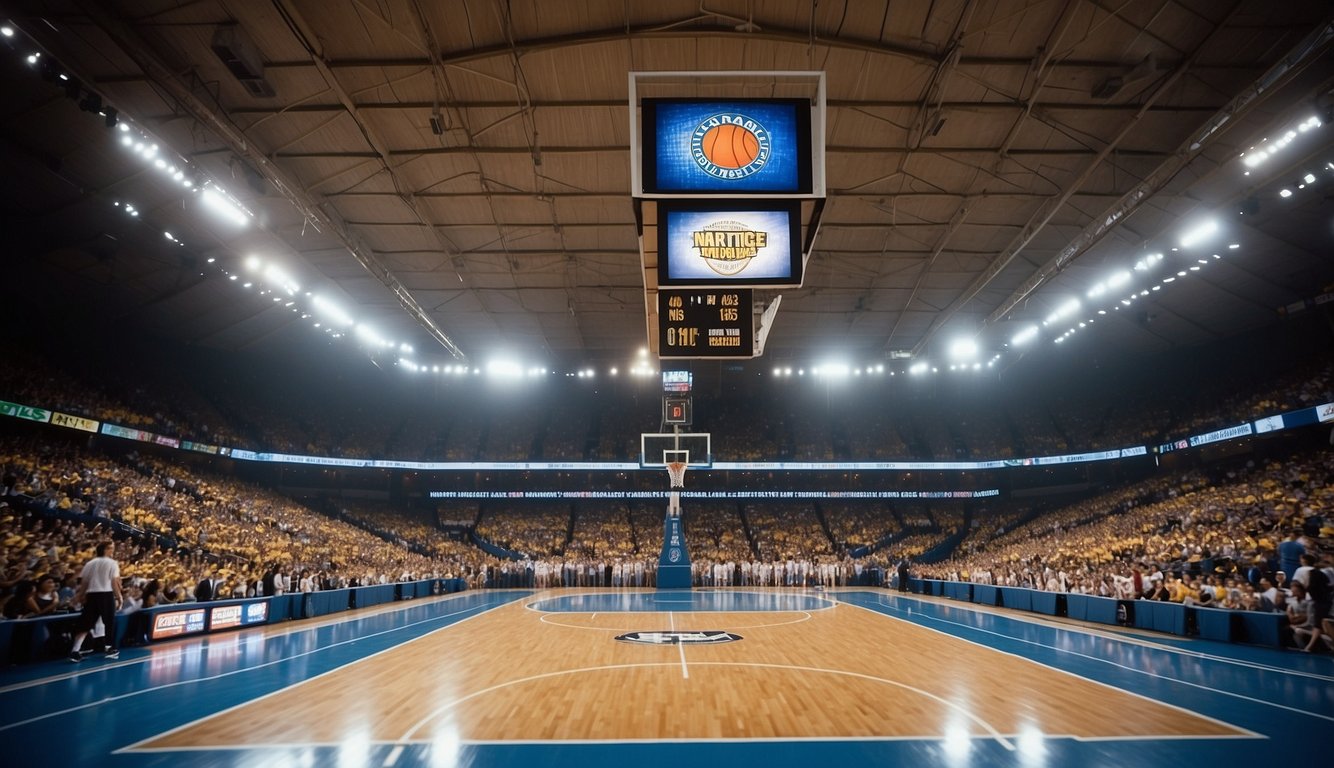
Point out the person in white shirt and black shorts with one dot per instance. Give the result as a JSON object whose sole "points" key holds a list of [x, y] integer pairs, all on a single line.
{"points": [[99, 591]]}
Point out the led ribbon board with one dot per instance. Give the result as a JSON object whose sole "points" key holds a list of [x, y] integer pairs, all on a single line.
{"points": [[726, 146], [727, 245]]}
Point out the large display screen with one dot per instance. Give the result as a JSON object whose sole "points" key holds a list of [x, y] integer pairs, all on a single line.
{"points": [[726, 146], [729, 244], [676, 381]]}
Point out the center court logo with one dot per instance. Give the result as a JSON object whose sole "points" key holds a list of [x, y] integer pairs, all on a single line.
{"points": [[706, 637], [730, 146], [728, 246]]}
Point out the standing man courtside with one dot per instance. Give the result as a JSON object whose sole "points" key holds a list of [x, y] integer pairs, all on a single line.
{"points": [[99, 591]]}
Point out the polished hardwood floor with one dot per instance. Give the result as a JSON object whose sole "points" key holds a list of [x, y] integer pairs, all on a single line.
{"points": [[495, 678], [838, 671]]}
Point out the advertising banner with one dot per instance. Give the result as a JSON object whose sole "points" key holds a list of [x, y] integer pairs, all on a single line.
{"points": [[24, 412], [73, 422], [174, 623]]}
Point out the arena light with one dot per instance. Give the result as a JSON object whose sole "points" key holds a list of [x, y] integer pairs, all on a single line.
{"points": [[7, 31], [507, 369], [1285, 193], [370, 336], [1148, 261], [918, 368], [963, 349], [276, 277], [331, 311], [1024, 336], [220, 203], [1068, 308], [1199, 233]]}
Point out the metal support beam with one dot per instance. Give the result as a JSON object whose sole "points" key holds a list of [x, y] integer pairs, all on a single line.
{"points": [[138, 50], [1043, 215], [1303, 54]]}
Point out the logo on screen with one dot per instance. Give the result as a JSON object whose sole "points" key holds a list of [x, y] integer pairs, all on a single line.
{"points": [[730, 146], [728, 246]]}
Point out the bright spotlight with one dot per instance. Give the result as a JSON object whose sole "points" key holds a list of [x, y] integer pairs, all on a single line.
{"points": [[279, 278], [7, 31], [333, 312], [218, 202], [918, 368], [506, 368], [369, 335], [963, 349], [1285, 193], [1024, 336], [1199, 233], [1069, 307]]}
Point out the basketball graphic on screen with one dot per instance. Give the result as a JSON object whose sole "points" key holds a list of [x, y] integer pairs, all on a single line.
{"points": [[730, 146]]}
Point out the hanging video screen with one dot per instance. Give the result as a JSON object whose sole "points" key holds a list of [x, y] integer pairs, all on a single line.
{"points": [[714, 243], [726, 146]]}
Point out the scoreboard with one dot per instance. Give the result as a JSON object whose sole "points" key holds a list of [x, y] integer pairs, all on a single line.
{"points": [[706, 323]]}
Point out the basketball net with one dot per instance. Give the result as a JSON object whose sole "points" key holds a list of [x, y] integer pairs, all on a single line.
{"points": [[677, 470]]}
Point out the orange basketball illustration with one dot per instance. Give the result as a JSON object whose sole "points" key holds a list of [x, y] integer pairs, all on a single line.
{"points": [[730, 146]]}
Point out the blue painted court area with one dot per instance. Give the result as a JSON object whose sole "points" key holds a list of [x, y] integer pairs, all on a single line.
{"points": [[683, 602], [65, 715], [62, 714]]}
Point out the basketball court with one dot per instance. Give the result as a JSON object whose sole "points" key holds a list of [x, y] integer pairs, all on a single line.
{"points": [[599, 678]]}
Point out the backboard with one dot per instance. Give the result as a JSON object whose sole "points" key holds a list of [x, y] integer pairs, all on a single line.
{"points": [[656, 449]]}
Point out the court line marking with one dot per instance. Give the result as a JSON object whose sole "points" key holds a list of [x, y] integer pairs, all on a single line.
{"points": [[1078, 676], [180, 647], [1122, 666], [994, 733], [1001, 612], [131, 747], [680, 646], [545, 618], [268, 747], [229, 673]]}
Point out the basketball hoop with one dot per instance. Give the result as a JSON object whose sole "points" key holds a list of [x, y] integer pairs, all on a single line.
{"points": [[677, 471]]}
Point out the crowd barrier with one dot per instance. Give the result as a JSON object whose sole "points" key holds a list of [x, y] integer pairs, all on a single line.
{"points": [[1253, 627], [45, 637]]}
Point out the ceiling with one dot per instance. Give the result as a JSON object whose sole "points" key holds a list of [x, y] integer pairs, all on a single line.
{"points": [[986, 162]]}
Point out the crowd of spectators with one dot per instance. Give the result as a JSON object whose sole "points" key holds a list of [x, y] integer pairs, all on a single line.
{"points": [[1224, 541], [563, 420], [1200, 535]]}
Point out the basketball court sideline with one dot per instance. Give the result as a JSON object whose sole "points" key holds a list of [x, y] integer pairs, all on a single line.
{"points": [[593, 678]]}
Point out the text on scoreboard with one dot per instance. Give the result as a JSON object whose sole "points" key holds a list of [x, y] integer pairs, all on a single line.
{"points": [[706, 323]]}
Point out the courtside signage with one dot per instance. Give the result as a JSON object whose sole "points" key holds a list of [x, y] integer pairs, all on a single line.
{"points": [[728, 244], [175, 623], [726, 146]]}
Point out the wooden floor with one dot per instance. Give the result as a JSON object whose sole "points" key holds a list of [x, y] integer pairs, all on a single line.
{"points": [[838, 672], [490, 673]]}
